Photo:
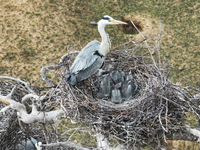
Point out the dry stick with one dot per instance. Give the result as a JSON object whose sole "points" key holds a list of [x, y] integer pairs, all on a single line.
{"points": [[5, 102], [120, 45], [166, 115], [65, 56], [173, 102], [147, 45], [44, 77], [20, 81], [86, 96], [65, 144], [195, 132], [20, 124], [45, 137], [158, 49], [50, 96], [34, 116], [159, 39], [73, 133], [74, 98], [149, 48], [4, 109], [164, 136], [194, 111], [161, 121], [27, 96], [8, 97], [80, 45], [64, 109]]}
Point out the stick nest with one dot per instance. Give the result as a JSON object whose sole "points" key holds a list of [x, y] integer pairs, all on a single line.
{"points": [[158, 107]]}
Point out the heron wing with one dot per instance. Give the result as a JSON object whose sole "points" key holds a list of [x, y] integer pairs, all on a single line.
{"points": [[85, 58]]}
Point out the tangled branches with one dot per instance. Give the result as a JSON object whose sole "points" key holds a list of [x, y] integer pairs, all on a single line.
{"points": [[153, 115], [158, 109]]}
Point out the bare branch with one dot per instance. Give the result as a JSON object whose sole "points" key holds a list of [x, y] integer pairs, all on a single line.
{"points": [[194, 132], [47, 68], [103, 143], [34, 116], [44, 77], [26, 97], [20, 81], [147, 45], [3, 110], [64, 57], [64, 144], [5, 102]]}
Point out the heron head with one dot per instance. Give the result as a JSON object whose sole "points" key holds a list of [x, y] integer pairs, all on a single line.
{"points": [[109, 20]]}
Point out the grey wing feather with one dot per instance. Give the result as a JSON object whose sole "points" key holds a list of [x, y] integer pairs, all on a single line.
{"points": [[85, 64], [85, 58]]}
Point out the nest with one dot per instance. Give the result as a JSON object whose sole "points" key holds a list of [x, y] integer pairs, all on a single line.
{"points": [[157, 108]]}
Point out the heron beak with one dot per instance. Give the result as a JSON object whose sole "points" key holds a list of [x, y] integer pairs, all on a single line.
{"points": [[118, 22]]}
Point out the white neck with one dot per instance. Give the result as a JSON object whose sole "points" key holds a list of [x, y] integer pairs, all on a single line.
{"points": [[105, 41]]}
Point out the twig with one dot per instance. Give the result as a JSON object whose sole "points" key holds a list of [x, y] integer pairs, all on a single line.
{"points": [[64, 144], [19, 81], [147, 46]]}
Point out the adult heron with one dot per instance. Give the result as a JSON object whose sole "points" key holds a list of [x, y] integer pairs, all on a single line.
{"points": [[92, 56]]}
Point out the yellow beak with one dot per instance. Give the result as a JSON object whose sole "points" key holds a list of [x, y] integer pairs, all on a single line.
{"points": [[118, 22]]}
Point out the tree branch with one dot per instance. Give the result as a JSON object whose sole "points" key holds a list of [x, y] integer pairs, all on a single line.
{"points": [[65, 144], [194, 132], [103, 143], [35, 115], [20, 81]]}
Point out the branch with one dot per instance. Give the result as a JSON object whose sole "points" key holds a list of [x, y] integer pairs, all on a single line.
{"points": [[194, 132], [44, 77], [47, 68], [35, 115], [146, 45], [65, 144], [103, 143], [3, 110], [20, 81], [64, 57], [5, 102], [187, 135]]}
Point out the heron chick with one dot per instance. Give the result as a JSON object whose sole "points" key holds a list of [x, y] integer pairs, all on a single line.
{"points": [[92, 56]]}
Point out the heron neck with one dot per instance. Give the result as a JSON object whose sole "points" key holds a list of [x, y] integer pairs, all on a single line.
{"points": [[105, 41]]}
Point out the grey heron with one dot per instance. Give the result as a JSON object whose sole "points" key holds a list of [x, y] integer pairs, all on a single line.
{"points": [[116, 86], [92, 56]]}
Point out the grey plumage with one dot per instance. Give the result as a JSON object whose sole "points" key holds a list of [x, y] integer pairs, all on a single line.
{"points": [[27, 145], [117, 76], [86, 63], [116, 96], [129, 88], [116, 86], [91, 58], [105, 86]]}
